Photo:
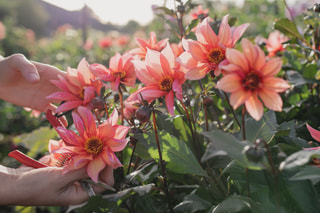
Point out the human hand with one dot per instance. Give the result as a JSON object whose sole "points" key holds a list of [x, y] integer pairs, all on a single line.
{"points": [[45, 186], [27, 83]]}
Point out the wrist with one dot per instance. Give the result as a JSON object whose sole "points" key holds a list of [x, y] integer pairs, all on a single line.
{"points": [[8, 191]]}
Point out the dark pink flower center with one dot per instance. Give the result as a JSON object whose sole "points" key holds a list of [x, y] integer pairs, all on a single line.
{"points": [[81, 93], [251, 81], [216, 55], [119, 74], [93, 145], [166, 83]]}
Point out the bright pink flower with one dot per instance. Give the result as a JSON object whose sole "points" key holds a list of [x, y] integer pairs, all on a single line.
{"points": [[2, 31], [274, 42], [105, 42], [205, 54], [121, 70], [78, 88], [249, 76], [94, 147], [160, 73], [314, 133], [149, 44], [200, 13], [123, 40]]}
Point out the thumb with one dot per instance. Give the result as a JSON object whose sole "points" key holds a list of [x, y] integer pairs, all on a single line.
{"points": [[76, 175], [26, 68]]}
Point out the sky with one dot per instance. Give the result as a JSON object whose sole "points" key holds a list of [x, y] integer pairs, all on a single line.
{"points": [[114, 11], [121, 11]]}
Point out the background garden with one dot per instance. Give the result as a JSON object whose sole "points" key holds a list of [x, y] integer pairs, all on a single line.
{"points": [[216, 159]]}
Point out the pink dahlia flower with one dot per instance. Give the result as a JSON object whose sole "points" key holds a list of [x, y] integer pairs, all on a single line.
{"points": [[78, 88], [94, 147], [161, 75], [149, 44], [205, 54], [121, 71], [250, 77]]}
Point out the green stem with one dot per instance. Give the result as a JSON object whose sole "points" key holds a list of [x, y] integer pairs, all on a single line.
{"points": [[232, 110], [191, 129], [121, 104], [163, 169], [243, 123]]}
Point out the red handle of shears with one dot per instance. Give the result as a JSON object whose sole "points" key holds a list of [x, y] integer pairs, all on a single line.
{"points": [[26, 160]]}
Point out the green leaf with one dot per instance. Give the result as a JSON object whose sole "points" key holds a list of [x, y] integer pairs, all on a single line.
{"points": [[236, 204], [192, 203], [222, 141], [307, 173], [36, 141], [310, 71], [299, 158], [176, 153], [288, 28], [301, 195], [264, 129]]}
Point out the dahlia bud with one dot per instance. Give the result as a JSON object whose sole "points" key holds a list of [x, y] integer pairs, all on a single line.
{"points": [[207, 101], [186, 100], [97, 103], [254, 154], [143, 113]]}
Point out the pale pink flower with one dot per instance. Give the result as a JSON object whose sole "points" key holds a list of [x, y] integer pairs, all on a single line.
{"points": [[200, 13], [78, 88], [94, 147], [88, 44], [205, 54], [249, 77], [149, 44], [161, 75], [121, 71], [274, 42], [34, 113]]}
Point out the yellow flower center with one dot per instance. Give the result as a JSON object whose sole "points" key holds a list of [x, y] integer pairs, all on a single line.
{"points": [[81, 93], [166, 83], [93, 145], [119, 74], [251, 81], [216, 55]]}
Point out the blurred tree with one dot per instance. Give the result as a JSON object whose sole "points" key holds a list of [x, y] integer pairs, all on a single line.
{"points": [[32, 15]]}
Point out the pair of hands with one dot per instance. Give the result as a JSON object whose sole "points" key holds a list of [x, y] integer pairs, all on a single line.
{"points": [[26, 83]]}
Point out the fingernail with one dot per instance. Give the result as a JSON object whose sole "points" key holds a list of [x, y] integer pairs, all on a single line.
{"points": [[33, 77]]}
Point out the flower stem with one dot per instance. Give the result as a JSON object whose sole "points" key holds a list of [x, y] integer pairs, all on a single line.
{"points": [[191, 129], [163, 169], [206, 117], [132, 154], [232, 110], [243, 123], [121, 104]]}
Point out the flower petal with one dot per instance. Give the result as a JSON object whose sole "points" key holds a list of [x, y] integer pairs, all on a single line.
{"points": [[271, 99], [254, 107], [314, 133], [272, 67], [230, 83], [94, 168]]}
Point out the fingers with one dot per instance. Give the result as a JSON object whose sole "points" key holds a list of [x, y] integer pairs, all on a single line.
{"points": [[27, 69]]}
